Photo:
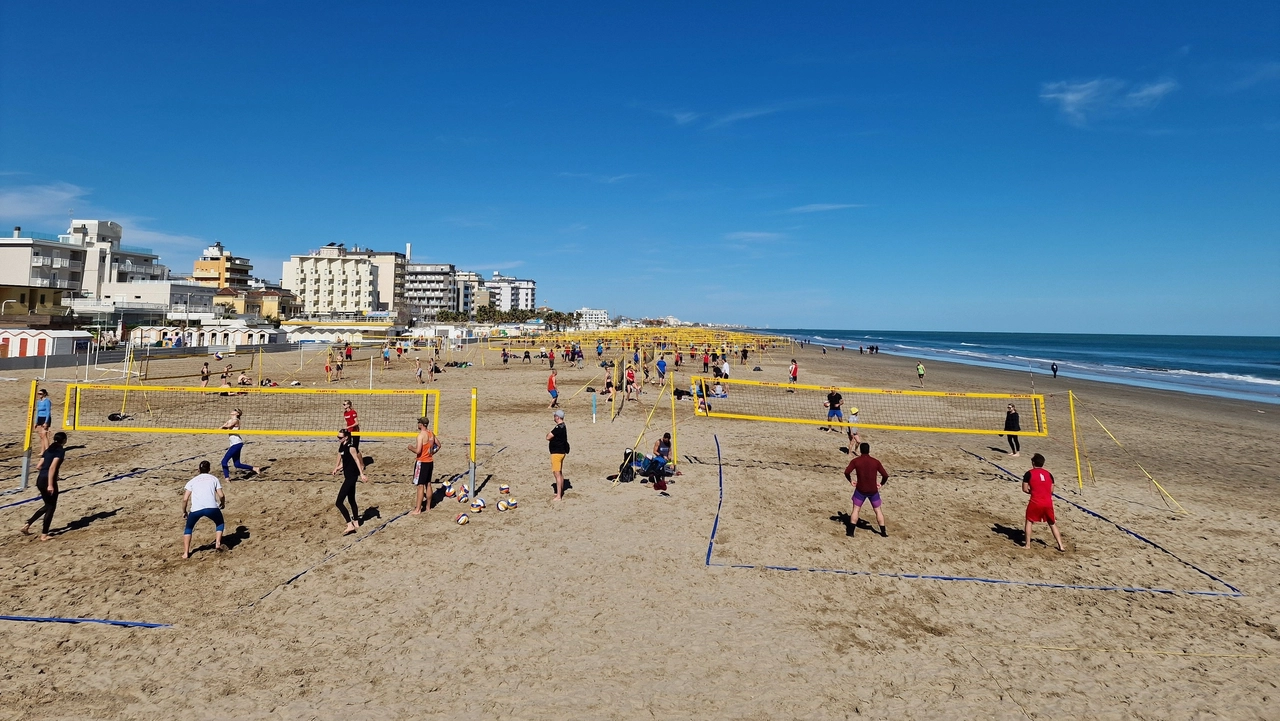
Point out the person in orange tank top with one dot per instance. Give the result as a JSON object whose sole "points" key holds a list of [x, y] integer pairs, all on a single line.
{"points": [[423, 448]]}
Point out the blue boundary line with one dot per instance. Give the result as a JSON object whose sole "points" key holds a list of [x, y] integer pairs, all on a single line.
{"points": [[117, 477], [1131, 532], [105, 621], [1235, 593]]}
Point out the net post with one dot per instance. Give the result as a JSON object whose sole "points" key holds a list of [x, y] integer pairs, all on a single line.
{"points": [[674, 436], [26, 439], [472, 452], [1071, 401], [435, 412], [371, 372]]}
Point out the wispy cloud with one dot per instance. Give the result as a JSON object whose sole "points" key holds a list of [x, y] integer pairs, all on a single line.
{"points": [[681, 117], [823, 207], [574, 228], [1082, 102], [596, 178], [754, 236], [1259, 74], [40, 202], [747, 114]]}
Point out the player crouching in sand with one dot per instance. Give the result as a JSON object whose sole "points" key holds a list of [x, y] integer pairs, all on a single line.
{"points": [[1038, 483]]}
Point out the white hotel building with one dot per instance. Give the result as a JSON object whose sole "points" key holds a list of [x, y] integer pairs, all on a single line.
{"points": [[329, 282], [511, 293]]}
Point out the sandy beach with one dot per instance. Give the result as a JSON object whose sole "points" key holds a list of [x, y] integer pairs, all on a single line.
{"points": [[604, 605]]}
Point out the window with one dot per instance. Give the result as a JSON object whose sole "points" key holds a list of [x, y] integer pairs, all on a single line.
{"points": [[22, 298], [42, 299]]}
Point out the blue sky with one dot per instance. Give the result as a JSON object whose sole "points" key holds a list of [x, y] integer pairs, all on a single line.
{"points": [[1070, 167]]}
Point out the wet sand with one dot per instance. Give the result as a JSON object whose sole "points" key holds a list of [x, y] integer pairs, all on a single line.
{"points": [[603, 605]]}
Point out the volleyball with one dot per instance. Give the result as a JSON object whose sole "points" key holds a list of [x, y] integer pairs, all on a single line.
{"points": [[504, 488], [217, 356], [511, 503], [480, 502], [448, 491], [826, 404], [503, 505], [462, 519], [463, 498]]}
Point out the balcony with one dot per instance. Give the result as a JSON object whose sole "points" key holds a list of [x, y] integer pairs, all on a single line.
{"points": [[40, 260], [51, 283]]}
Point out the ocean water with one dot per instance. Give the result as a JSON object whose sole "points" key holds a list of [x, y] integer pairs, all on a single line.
{"points": [[1241, 367]]}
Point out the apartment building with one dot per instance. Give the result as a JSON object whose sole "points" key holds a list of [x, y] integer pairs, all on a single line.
{"points": [[328, 281], [36, 269], [218, 268], [592, 318], [508, 293], [391, 279], [107, 260], [432, 287]]}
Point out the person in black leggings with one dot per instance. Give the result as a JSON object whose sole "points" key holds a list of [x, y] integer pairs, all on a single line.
{"points": [[1011, 423], [47, 483], [352, 466]]}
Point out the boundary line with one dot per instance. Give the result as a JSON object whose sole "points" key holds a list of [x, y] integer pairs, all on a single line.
{"points": [[1235, 593], [117, 477], [105, 621]]}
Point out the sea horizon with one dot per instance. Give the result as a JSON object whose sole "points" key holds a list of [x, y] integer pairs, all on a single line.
{"points": [[1240, 367]]}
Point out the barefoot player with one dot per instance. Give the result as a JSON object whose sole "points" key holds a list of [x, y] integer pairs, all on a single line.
{"points": [[47, 484], [1038, 483], [558, 447], [351, 463], [868, 485], [424, 449]]}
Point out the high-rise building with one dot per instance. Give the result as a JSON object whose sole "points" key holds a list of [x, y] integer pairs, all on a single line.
{"points": [[391, 268], [218, 268], [511, 293], [329, 281], [428, 289]]}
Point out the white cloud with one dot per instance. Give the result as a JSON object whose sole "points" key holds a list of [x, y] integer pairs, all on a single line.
{"points": [[1257, 75], [754, 236], [1082, 102], [740, 115], [606, 179], [40, 202], [823, 207]]}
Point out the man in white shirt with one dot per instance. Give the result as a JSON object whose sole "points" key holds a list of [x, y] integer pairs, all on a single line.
{"points": [[203, 498]]}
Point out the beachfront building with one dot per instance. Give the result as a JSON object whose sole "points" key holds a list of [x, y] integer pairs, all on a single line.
{"points": [[36, 270], [218, 268], [391, 265], [592, 318], [107, 260], [265, 303], [430, 288], [329, 282], [508, 293]]}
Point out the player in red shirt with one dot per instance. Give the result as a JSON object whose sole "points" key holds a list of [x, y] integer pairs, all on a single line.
{"points": [[352, 423], [1038, 483], [867, 486], [552, 390]]}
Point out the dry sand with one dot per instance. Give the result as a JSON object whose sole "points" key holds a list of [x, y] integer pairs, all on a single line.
{"points": [[603, 605]]}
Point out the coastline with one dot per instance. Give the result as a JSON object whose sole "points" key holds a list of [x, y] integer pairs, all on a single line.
{"points": [[1198, 382]]}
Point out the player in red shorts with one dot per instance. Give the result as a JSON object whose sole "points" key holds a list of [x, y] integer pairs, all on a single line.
{"points": [[1038, 483]]}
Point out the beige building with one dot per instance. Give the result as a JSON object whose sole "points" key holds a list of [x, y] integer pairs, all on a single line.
{"points": [[391, 279], [36, 270], [218, 268], [329, 281], [275, 303]]}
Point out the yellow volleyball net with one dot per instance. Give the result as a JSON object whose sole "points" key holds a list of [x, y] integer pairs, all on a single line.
{"points": [[264, 411], [929, 411]]}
